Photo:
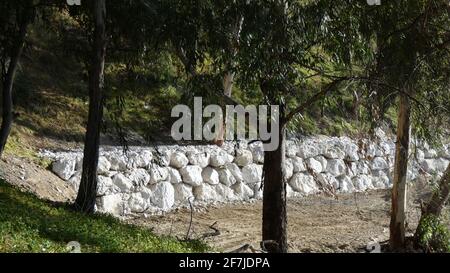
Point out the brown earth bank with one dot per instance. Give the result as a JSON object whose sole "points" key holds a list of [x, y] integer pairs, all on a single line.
{"points": [[315, 223]]}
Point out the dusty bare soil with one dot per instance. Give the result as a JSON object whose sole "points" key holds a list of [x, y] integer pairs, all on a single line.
{"points": [[315, 223], [33, 178]]}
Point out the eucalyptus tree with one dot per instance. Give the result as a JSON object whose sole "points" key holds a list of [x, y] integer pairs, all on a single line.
{"points": [[284, 44], [14, 22], [412, 42], [87, 192]]}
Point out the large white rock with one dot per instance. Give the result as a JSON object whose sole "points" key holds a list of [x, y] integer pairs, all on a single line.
{"points": [[323, 161], [235, 171], [105, 186], [307, 150], [257, 150], [206, 192], [210, 176], [432, 166], [178, 160], [75, 180], [243, 157], [118, 162], [362, 182], [314, 165], [64, 167], [291, 148], [182, 193], [334, 152], [220, 158], [122, 182], [140, 177], [345, 184], [242, 191], [373, 150], [226, 177], [381, 182], [158, 173], [288, 169], [303, 183], [163, 195], [192, 175], [351, 151], [174, 176], [359, 167], [140, 201], [199, 159], [140, 159], [162, 157], [336, 167], [431, 153], [298, 164], [111, 204], [327, 179], [103, 165], [226, 193], [387, 147], [252, 173], [378, 163]]}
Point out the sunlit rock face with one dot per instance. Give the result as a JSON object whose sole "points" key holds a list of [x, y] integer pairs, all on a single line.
{"points": [[161, 178]]}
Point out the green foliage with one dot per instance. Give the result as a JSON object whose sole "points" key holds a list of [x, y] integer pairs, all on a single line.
{"points": [[28, 224], [433, 235]]}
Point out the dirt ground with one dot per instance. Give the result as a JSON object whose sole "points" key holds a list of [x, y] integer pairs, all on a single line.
{"points": [[33, 178], [315, 223]]}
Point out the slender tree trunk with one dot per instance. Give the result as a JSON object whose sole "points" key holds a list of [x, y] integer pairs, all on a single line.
{"points": [[399, 191], [440, 197], [8, 81], [87, 192], [274, 196], [433, 210]]}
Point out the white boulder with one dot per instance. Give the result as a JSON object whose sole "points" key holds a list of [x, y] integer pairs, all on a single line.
{"points": [[64, 167], [314, 165], [192, 175], [163, 195], [220, 158], [226, 177], [178, 160], [243, 158], [182, 193], [303, 183], [252, 173], [210, 176], [122, 182], [336, 167], [242, 191], [174, 176]]}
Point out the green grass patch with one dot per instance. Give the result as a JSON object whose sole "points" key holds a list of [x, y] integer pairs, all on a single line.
{"points": [[28, 224]]}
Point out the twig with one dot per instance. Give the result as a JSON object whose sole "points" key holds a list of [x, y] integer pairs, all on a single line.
{"points": [[192, 216], [212, 234]]}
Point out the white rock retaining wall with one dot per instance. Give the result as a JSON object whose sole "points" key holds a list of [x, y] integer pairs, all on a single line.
{"points": [[161, 178]]}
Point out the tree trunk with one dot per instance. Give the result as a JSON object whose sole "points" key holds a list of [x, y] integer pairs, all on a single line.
{"points": [[399, 191], [434, 208], [8, 81], [274, 197], [87, 192], [441, 196]]}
